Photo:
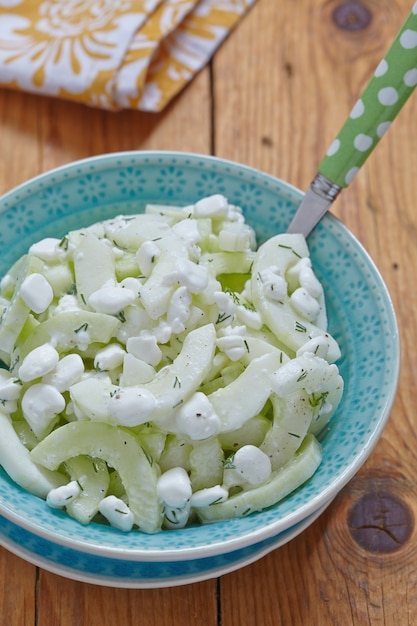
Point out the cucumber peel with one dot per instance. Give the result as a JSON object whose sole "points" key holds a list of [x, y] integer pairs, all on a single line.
{"points": [[120, 450], [70, 330], [282, 482]]}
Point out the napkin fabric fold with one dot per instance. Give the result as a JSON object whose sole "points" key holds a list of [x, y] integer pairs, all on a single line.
{"points": [[111, 54]]}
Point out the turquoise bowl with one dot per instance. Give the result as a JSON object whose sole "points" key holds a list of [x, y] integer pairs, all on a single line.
{"points": [[361, 317]]}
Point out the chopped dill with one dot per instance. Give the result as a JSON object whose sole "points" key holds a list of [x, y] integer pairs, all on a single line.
{"points": [[222, 318], [302, 376], [64, 243], [300, 328], [121, 316], [281, 245], [83, 327]]}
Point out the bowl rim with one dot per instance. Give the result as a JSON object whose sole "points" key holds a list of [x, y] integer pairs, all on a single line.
{"points": [[153, 583], [123, 154], [264, 532]]}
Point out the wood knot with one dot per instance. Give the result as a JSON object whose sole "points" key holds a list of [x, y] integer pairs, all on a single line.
{"points": [[380, 522], [352, 15], [267, 141]]}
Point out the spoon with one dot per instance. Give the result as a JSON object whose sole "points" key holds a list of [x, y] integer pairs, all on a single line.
{"points": [[384, 96]]}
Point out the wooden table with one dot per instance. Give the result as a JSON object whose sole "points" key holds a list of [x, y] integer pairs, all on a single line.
{"points": [[273, 98]]}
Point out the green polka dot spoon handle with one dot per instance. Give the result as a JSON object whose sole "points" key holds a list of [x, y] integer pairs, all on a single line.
{"points": [[389, 88]]}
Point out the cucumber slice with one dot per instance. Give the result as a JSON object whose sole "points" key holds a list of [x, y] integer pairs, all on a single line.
{"points": [[92, 476], [14, 276], [228, 262], [291, 329], [246, 396], [152, 439], [170, 387], [70, 330], [120, 450], [156, 293], [281, 483], [252, 432], [116, 487], [96, 253], [292, 418], [126, 266], [24, 432], [60, 277], [129, 232], [72, 240], [175, 213], [91, 399], [176, 453], [174, 383], [16, 461], [16, 313], [257, 346], [320, 381], [135, 371], [206, 464]]}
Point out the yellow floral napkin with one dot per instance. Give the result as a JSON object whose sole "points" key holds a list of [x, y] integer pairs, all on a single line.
{"points": [[111, 54]]}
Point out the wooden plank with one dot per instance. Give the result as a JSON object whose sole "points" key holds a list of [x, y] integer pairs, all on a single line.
{"points": [[104, 606], [20, 150], [302, 76], [184, 125], [40, 133], [19, 162], [17, 590], [323, 577]]}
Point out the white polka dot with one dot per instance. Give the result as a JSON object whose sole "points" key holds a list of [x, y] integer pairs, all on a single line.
{"points": [[381, 69], [351, 174], [382, 128], [408, 39], [362, 142], [410, 78], [357, 110], [387, 96], [333, 148]]}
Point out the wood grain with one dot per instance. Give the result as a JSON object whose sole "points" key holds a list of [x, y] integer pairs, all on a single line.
{"points": [[38, 134], [303, 76], [274, 97], [17, 590], [100, 606]]}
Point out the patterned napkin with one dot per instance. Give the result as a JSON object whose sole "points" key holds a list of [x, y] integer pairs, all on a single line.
{"points": [[111, 54]]}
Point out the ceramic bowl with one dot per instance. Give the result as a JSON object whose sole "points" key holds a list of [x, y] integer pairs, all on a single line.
{"points": [[361, 318]]}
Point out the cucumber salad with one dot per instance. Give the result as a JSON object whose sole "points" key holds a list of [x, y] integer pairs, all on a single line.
{"points": [[161, 370]]}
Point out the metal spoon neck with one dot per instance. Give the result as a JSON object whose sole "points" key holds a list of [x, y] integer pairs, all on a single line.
{"points": [[325, 188]]}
